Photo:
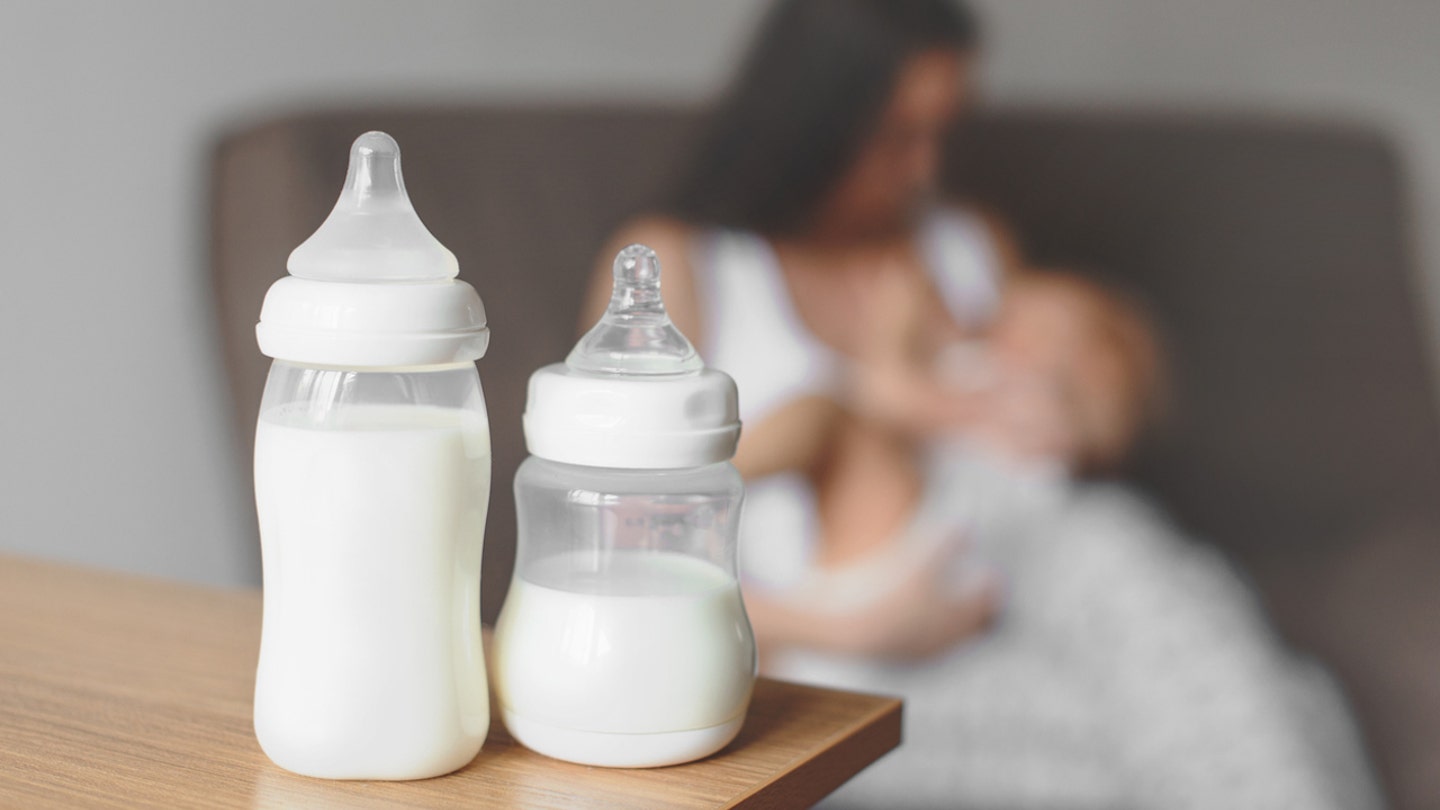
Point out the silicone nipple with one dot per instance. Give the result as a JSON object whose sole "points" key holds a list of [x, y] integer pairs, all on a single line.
{"points": [[373, 233], [635, 336]]}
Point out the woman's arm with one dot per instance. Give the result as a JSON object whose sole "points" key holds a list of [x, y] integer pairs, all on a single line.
{"points": [[921, 614], [892, 380]]}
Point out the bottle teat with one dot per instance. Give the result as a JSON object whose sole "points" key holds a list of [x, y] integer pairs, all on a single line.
{"points": [[373, 232], [635, 336], [371, 288]]}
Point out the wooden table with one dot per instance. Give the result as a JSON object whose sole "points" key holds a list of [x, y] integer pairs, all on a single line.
{"points": [[120, 691]]}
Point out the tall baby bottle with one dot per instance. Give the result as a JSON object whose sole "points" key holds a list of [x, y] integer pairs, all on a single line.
{"points": [[372, 477], [623, 641]]}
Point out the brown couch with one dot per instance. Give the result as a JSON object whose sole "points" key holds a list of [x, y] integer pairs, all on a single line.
{"points": [[1274, 254]]}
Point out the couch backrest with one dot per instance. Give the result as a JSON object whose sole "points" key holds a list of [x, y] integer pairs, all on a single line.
{"points": [[1276, 259]]}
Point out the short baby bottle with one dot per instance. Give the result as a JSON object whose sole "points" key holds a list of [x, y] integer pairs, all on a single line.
{"points": [[372, 478], [623, 641]]}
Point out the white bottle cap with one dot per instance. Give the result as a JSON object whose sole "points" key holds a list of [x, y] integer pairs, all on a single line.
{"points": [[372, 287], [633, 393]]}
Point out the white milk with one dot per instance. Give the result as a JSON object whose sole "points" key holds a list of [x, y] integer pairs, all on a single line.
{"points": [[657, 643], [370, 658]]}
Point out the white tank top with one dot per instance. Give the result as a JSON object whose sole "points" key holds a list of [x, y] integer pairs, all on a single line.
{"points": [[754, 334]]}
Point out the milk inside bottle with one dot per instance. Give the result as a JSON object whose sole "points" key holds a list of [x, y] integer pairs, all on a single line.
{"points": [[623, 640], [372, 477]]}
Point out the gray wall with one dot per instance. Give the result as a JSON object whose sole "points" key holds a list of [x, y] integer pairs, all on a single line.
{"points": [[114, 442]]}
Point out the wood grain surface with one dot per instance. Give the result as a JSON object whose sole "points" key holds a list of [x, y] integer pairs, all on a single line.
{"points": [[121, 691]]}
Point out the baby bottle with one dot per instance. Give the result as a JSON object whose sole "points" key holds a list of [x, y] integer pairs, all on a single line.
{"points": [[623, 641], [372, 477]]}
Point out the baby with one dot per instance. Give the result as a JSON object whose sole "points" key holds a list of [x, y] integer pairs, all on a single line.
{"points": [[960, 434]]}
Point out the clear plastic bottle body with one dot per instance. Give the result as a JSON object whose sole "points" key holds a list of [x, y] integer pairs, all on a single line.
{"points": [[372, 489], [624, 640]]}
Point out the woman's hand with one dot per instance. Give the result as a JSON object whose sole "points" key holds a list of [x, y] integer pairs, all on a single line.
{"points": [[917, 623], [909, 606], [961, 389], [926, 608], [892, 380]]}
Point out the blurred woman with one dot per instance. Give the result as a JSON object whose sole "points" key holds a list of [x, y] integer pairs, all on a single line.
{"points": [[920, 410]]}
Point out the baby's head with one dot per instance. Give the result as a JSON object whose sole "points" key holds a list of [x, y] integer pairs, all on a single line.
{"points": [[1094, 349]]}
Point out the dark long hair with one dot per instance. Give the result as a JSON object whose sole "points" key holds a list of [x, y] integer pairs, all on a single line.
{"points": [[806, 98]]}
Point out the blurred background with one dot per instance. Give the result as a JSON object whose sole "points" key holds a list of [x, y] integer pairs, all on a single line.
{"points": [[126, 128], [112, 112]]}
